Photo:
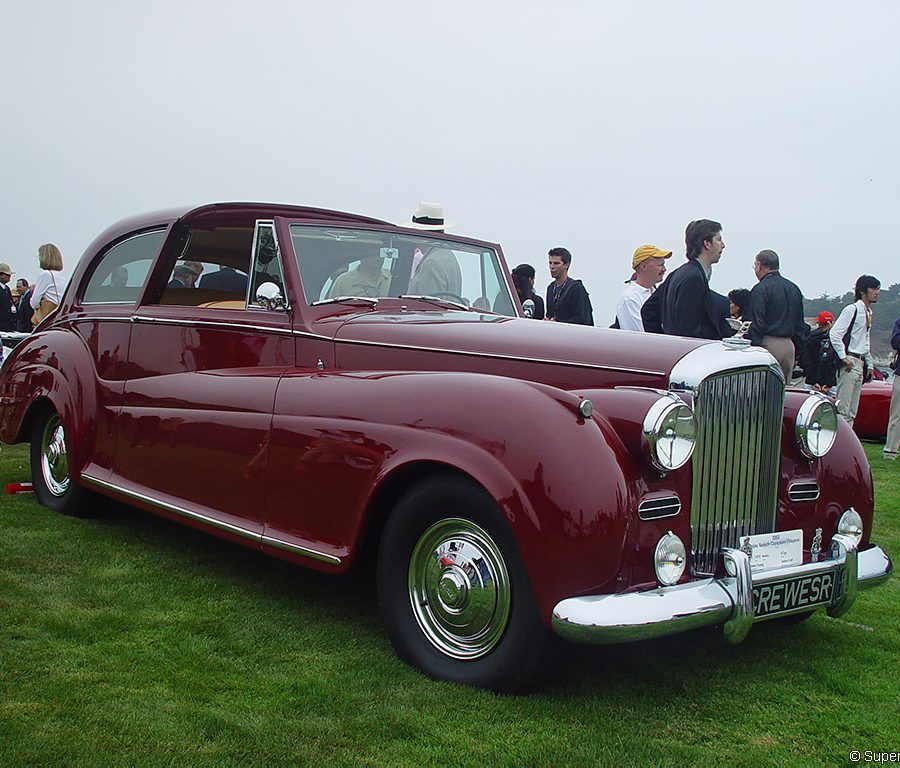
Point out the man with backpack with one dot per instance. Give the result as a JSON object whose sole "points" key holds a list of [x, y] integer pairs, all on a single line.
{"points": [[850, 339], [818, 375]]}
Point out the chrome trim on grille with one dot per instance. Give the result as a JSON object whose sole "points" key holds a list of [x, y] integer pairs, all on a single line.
{"points": [[803, 491], [653, 509], [214, 522], [735, 462]]}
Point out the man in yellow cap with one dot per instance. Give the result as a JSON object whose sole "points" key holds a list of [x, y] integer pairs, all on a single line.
{"points": [[649, 265]]}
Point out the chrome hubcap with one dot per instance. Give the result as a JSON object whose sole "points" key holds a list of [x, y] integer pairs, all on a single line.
{"points": [[459, 588], [54, 460]]}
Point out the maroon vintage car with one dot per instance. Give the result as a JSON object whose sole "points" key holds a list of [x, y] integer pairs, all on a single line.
{"points": [[317, 384]]}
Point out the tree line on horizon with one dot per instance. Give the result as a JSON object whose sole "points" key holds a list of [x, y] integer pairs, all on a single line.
{"points": [[886, 311]]}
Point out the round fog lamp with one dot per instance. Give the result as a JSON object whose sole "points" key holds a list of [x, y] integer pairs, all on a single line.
{"points": [[669, 559], [851, 525], [669, 431], [816, 426]]}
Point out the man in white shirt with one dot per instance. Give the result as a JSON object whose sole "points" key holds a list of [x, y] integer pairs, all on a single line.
{"points": [[649, 265], [850, 338]]}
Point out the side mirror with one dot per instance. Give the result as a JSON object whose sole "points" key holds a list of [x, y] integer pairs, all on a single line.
{"points": [[268, 296]]}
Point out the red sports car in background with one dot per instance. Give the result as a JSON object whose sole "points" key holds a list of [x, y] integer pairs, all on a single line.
{"points": [[874, 407]]}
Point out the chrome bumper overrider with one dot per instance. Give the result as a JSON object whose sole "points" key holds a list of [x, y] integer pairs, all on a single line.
{"points": [[624, 617]]}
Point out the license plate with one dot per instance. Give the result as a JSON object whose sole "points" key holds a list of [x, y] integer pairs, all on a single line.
{"points": [[796, 593]]}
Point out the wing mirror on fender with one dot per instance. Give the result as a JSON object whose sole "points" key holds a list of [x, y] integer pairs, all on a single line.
{"points": [[268, 296]]}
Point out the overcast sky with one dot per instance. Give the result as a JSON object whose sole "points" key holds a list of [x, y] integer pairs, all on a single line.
{"points": [[599, 126]]}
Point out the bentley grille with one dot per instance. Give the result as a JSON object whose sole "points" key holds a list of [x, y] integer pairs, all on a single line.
{"points": [[735, 462]]}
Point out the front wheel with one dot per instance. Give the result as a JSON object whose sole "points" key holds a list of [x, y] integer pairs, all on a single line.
{"points": [[453, 590], [50, 465]]}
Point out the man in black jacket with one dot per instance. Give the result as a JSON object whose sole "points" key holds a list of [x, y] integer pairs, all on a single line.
{"points": [[683, 305], [7, 319], [567, 299], [23, 308], [776, 311]]}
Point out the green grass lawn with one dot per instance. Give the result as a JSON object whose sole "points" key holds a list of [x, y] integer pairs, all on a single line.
{"points": [[129, 640]]}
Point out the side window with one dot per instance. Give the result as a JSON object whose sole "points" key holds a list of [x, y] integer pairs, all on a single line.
{"points": [[120, 273], [210, 269], [266, 263]]}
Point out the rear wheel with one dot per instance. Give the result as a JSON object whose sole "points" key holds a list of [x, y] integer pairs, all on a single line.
{"points": [[453, 590], [50, 465]]}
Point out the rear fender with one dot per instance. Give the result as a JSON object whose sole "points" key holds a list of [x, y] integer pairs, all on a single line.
{"points": [[51, 369]]}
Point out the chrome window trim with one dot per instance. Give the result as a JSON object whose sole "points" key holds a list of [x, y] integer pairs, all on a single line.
{"points": [[214, 522], [250, 301], [494, 355]]}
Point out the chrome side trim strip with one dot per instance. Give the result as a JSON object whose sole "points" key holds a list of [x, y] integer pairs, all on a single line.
{"points": [[473, 353], [312, 553], [213, 522], [212, 324], [209, 323]]}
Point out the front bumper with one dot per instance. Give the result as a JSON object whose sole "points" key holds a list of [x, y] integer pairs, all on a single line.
{"points": [[624, 617]]}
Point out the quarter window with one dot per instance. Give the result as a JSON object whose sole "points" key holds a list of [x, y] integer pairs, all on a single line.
{"points": [[122, 270]]}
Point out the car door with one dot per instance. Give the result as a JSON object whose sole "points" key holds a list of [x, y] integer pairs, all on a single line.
{"points": [[203, 368], [102, 316]]}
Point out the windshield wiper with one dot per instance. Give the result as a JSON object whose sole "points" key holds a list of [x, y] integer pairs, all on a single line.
{"points": [[437, 300], [336, 299]]}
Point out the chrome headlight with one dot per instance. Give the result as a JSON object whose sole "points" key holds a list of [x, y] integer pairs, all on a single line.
{"points": [[669, 559], [669, 433], [851, 525], [816, 426]]}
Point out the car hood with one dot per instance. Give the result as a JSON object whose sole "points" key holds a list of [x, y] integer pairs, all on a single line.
{"points": [[643, 358]]}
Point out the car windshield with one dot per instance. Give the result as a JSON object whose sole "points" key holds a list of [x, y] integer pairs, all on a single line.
{"points": [[336, 262]]}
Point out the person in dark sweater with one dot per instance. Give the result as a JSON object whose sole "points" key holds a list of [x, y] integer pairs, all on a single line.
{"points": [[23, 308], [567, 299], [776, 313]]}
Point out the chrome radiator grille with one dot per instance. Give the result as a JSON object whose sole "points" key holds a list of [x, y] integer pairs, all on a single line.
{"points": [[735, 462]]}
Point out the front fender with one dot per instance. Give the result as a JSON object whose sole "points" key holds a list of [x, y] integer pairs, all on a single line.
{"points": [[552, 472], [843, 477]]}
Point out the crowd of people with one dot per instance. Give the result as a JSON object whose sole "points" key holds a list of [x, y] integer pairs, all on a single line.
{"points": [[835, 356], [25, 307]]}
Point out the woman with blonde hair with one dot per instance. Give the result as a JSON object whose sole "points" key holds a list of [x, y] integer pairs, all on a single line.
{"points": [[50, 284]]}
